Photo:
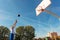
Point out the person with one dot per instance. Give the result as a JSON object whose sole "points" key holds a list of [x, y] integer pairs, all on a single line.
{"points": [[12, 31]]}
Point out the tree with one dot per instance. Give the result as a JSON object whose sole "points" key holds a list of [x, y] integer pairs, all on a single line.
{"points": [[30, 32], [25, 33], [39, 38], [19, 32], [4, 33]]}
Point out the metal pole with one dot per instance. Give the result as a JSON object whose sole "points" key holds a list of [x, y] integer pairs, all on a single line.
{"points": [[53, 14]]}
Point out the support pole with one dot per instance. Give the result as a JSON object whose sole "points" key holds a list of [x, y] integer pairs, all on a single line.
{"points": [[53, 14]]}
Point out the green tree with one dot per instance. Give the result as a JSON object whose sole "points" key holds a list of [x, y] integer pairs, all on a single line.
{"points": [[25, 33], [19, 32], [30, 32], [39, 38], [4, 33]]}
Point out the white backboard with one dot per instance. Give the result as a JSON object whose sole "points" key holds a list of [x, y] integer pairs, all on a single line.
{"points": [[43, 5]]}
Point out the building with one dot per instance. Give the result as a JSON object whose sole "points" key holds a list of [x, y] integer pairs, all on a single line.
{"points": [[53, 35]]}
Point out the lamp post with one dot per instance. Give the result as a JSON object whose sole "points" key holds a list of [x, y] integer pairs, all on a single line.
{"points": [[12, 29]]}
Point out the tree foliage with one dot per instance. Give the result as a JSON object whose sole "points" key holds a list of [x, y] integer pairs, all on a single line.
{"points": [[30, 31], [25, 32], [20, 30], [4, 32]]}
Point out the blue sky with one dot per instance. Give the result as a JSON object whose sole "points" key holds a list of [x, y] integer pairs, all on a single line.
{"points": [[43, 23]]}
